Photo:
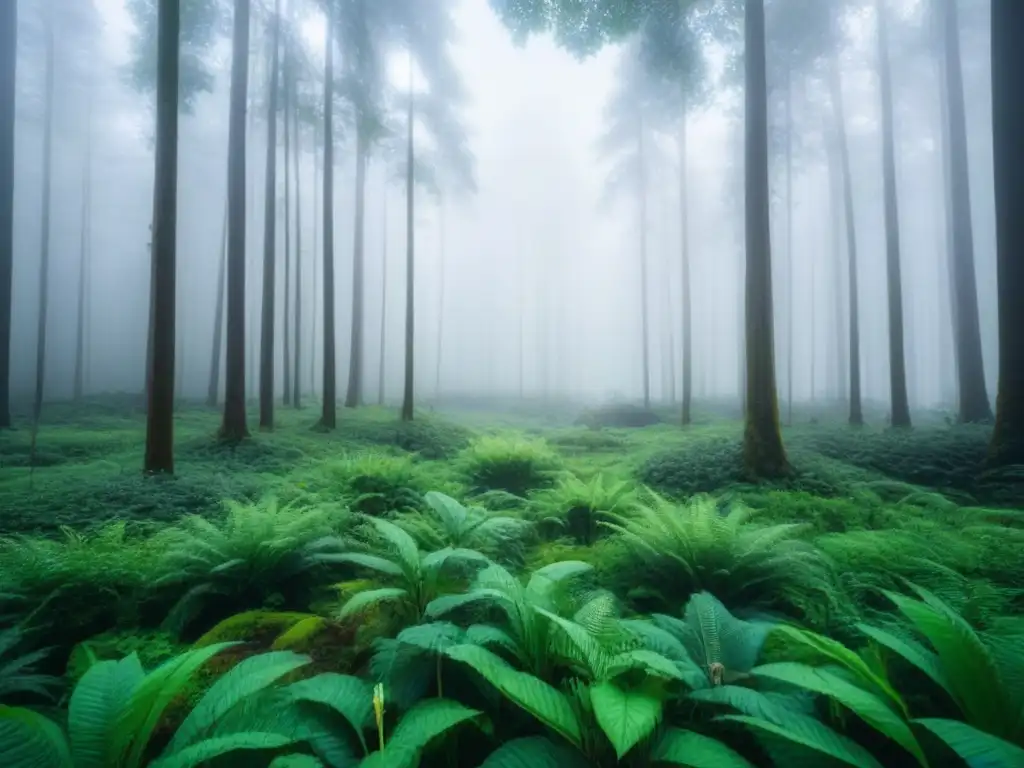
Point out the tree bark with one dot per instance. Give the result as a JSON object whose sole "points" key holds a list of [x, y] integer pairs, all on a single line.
{"points": [[286, 342], [644, 319], [233, 427], [160, 411], [838, 233], [974, 405], [354, 395], [897, 357], [44, 255], [410, 257], [213, 389], [84, 259], [789, 245], [763, 452], [317, 185], [846, 176], [8, 91], [269, 306], [329, 416], [1007, 445], [687, 302], [383, 300], [297, 371], [440, 300]]}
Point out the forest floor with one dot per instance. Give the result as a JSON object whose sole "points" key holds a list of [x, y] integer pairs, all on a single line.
{"points": [[84, 535]]}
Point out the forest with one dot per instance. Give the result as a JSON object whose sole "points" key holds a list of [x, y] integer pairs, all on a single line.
{"points": [[680, 419]]}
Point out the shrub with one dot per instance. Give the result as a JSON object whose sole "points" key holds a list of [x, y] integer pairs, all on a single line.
{"points": [[618, 415], [375, 484], [448, 523], [516, 465], [672, 551], [575, 506]]}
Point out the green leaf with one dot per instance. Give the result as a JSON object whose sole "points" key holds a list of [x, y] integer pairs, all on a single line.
{"points": [[542, 701], [679, 747], [544, 578], [209, 749], [534, 752], [151, 697], [243, 680], [626, 717], [349, 696], [650, 662], [96, 705], [371, 562], [439, 558], [912, 652], [969, 667], [417, 728], [869, 707], [368, 598], [296, 761], [976, 748], [845, 657], [448, 603], [30, 740], [809, 733], [403, 544]]}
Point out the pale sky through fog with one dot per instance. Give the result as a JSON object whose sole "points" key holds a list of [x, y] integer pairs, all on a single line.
{"points": [[534, 255]]}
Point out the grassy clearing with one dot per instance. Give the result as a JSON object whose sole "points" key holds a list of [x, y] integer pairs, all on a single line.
{"points": [[382, 546]]}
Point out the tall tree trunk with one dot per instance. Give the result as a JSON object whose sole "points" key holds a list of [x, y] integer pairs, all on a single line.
{"points": [[644, 319], [1007, 127], [44, 256], [286, 342], [269, 310], [8, 90], [410, 256], [84, 259], [160, 411], [354, 395], [897, 356], [440, 300], [297, 370], [213, 389], [948, 349], [789, 244], [233, 427], [328, 419], [687, 293], [316, 261], [763, 453], [856, 408], [837, 231], [974, 405], [383, 298]]}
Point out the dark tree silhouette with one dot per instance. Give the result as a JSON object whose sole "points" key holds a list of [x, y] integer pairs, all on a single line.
{"points": [[410, 255], [1007, 127], [233, 427], [269, 314], [160, 411], [47, 204], [8, 78], [329, 417]]}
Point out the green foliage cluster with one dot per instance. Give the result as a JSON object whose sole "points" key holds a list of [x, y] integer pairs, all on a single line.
{"points": [[516, 465], [532, 594]]}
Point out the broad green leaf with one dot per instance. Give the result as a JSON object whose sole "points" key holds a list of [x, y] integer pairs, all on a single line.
{"points": [[587, 647], [534, 752], [296, 761], [846, 658], [869, 707], [968, 665], [372, 562], [544, 578], [207, 750], [30, 740], [241, 681], [416, 729], [151, 697], [349, 696], [679, 747], [809, 733], [547, 704], [913, 652], [439, 606], [625, 716], [650, 662], [96, 705], [441, 557], [451, 512], [360, 601], [976, 748], [402, 542]]}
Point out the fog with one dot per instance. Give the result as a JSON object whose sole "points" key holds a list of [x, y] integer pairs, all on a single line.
{"points": [[529, 284]]}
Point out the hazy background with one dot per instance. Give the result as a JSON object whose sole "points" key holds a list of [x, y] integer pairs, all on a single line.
{"points": [[536, 255]]}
